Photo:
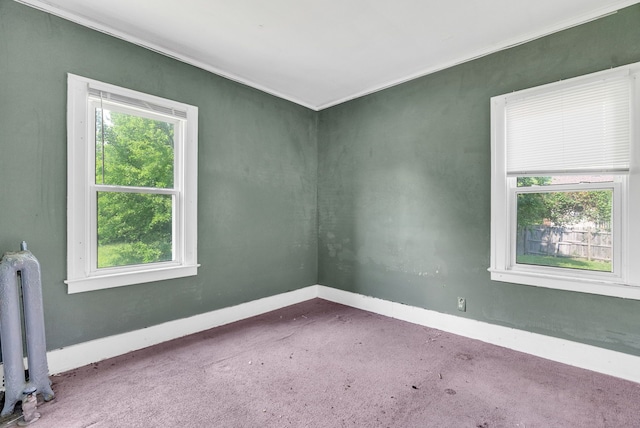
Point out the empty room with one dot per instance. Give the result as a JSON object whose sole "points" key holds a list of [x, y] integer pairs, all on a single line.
{"points": [[320, 214]]}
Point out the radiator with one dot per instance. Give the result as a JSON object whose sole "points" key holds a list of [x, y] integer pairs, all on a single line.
{"points": [[27, 267]]}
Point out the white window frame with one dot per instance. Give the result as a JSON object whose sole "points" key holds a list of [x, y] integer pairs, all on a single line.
{"points": [[82, 271], [624, 280]]}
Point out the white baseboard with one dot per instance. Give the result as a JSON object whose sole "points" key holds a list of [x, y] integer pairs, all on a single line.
{"points": [[79, 355], [588, 357]]}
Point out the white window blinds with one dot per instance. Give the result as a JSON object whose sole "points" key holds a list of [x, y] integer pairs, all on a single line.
{"points": [[134, 102], [574, 129]]}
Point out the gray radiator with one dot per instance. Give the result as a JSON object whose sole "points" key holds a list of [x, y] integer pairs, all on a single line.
{"points": [[28, 268]]}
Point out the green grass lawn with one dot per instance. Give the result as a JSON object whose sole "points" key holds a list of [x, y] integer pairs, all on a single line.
{"points": [[108, 255], [126, 254], [564, 262]]}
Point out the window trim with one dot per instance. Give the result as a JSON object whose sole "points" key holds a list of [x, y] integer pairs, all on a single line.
{"points": [[624, 281], [81, 228]]}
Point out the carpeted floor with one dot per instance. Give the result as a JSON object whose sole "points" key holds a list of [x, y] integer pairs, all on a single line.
{"points": [[320, 364]]}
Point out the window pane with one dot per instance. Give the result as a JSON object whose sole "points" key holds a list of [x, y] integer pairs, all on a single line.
{"points": [[569, 229], [134, 228], [133, 150]]}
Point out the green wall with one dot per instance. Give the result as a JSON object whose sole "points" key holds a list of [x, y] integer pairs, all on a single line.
{"points": [[387, 195], [404, 190], [257, 217]]}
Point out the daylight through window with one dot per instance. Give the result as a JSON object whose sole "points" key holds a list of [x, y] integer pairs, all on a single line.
{"points": [[132, 186], [564, 172]]}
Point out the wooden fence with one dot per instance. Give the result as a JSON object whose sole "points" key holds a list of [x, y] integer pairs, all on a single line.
{"points": [[589, 244]]}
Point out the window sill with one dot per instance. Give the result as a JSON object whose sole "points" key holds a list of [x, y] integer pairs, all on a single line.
{"points": [[581, 285], [121, 279]]}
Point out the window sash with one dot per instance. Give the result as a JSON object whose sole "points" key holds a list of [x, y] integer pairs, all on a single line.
{"points": [[616, 228], [178, 136], [176, 232]]}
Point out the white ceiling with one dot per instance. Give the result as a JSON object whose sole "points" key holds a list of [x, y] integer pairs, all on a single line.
{"points": [[323, 52]]}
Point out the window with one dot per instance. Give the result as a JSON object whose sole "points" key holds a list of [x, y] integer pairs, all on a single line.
{"points": [[132, 187], [565, 185]]}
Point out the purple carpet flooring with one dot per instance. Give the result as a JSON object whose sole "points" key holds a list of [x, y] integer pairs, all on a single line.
{"points": [[321, 364]]}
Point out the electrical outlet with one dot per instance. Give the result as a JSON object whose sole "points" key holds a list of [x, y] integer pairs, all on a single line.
{"points": [[462, 304]]}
